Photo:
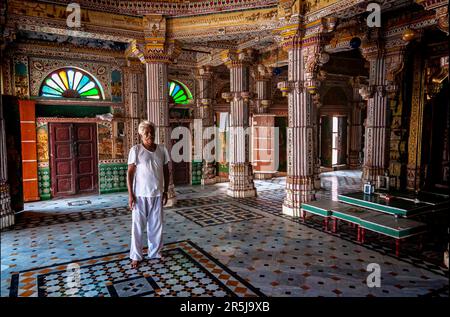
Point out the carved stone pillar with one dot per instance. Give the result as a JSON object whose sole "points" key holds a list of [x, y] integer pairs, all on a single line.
{"points": [[135, 107], [414, 173], [356, 125], [262, 77], [7, 218], [300, 132], [263, 131], [241, 174], [377, 130], [385, 63], [157, 53], [205, 113]]}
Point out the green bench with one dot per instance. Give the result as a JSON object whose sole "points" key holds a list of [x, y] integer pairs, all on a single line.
{"points": [[320, 208], [395, 206], [364, 219]]}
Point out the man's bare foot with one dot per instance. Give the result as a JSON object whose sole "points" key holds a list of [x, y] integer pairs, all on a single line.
{"points": [[134, 264]]}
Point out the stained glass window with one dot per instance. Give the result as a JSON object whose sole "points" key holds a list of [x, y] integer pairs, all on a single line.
{"points": [[71, 83], [179, 93]]}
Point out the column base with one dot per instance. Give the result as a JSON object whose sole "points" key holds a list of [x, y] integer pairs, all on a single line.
{"points": [[412, 178], [370, 173], [257, 175], [291, 211], [239, 193], [208, 181], [7, 217], [353, 160], [299, 189], [241, 180]]}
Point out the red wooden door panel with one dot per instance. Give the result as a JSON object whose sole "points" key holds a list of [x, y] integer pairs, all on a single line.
{"points": [[62, 159], [86, 157]]}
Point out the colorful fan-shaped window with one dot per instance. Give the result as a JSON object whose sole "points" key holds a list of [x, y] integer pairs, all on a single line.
{"points": [[71, 83], [179, 93]]}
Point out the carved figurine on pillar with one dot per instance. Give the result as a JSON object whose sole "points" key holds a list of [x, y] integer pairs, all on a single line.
{"points": [[241, 173]]}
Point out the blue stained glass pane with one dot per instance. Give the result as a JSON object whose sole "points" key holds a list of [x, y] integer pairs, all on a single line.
{"points": [[177, 87], [83, 82], [49, 90]]}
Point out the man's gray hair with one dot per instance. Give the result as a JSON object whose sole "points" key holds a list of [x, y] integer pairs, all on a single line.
{"points": [[144, 125]]}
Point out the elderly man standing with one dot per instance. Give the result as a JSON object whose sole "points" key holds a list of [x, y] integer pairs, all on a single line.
{"points": [[148, 183]]}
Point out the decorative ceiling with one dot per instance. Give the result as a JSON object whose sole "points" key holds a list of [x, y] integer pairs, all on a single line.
{"points": [[169, 8]]}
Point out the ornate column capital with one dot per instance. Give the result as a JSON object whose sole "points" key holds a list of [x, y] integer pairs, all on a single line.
{"points": [[262, 72], [237, 58], [237, 95], [287, 86], [155, 48], [289, 36], [204, 72]]}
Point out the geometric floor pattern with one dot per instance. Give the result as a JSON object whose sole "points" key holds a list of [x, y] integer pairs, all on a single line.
{"points": [[218, 214], [262, 253], [185, 270]]}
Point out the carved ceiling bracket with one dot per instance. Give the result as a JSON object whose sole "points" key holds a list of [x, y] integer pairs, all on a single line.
{"points": [[441, 9], [436, 74]]}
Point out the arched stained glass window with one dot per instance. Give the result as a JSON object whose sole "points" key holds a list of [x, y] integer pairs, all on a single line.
{"points": [[71, 83], [179, 93]]}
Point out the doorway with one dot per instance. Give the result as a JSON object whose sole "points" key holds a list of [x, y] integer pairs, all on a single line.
{"points": [[73, 158], [333, 132], [181, 170]]}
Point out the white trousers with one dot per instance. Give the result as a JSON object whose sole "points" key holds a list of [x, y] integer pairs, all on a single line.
{"points": [[147, 211]]}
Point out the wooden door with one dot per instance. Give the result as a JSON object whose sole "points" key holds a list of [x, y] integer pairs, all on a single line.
{"points": [[62, 159], [73, 158]]}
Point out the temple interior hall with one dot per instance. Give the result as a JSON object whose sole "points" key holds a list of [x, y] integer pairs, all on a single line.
{"points": [[309, 146]]}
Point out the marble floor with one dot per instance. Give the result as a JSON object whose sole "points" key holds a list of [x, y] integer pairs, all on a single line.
{"points": [[214, 246]]}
